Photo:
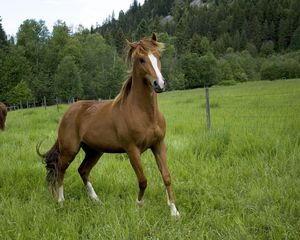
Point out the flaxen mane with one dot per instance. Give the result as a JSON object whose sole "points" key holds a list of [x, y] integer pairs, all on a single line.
{"points": [[124, 90]]}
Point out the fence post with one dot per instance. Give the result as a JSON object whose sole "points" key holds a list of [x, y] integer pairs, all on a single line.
{"points": [[45, 103], [207, 106]]}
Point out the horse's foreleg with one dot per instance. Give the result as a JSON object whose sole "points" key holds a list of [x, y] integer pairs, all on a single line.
{"points": [[134, 156], [90, 160], [160, 154]]}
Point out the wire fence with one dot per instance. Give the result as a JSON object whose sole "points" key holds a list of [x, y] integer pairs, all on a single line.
{"points": [[217, 105], [42, 102]]}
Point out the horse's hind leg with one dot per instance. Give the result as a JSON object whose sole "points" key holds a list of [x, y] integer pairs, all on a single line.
{"points": [[90, 160], [65, 160]]}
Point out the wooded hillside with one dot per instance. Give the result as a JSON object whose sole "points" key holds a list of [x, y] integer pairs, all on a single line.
{"points": [[207, 43]]}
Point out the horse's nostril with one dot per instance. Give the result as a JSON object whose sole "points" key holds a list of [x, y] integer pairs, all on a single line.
{"points": [[155, 84]]}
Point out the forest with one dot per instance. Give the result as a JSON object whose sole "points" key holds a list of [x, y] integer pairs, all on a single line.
{"points": [[207, 42]]}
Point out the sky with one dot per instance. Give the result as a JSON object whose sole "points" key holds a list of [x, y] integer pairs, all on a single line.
{"points": [[73, 12]]}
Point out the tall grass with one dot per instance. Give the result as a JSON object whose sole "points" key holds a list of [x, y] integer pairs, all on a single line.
{"points": [[240, 180]]}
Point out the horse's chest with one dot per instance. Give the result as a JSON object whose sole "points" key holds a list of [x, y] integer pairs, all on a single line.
{"points": [[147, 137]]}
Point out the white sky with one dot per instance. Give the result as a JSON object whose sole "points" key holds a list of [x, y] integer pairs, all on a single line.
{"points": [[73, 12]]}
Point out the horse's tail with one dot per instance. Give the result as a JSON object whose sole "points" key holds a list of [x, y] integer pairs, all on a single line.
{"points": [[51, 159]]}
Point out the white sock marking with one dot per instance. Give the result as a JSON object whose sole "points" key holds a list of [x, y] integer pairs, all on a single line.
{"points": [[174, 211], [140, 202], [91, 192], [160, 79], [61, 194]]}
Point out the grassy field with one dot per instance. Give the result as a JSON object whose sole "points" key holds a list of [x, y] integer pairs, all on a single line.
{"points": [[240, 180]]}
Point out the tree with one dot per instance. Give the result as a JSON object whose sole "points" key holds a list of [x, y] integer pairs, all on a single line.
{"points": [[199, 71], [190, 66], [225, 70], [283, 34], [181, 40], [21, 93], [208, 70], [267, 48], [256, 32], [142, 30], [13, 69], [236, 41], [67, 79], [251, 48], [33, 35], [3, 38], [200, 45], [295, 41], [120, 41]]}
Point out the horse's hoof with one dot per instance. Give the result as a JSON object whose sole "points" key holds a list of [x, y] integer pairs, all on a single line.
{"points": [[140, 202], [174, 211], [175, 215]]}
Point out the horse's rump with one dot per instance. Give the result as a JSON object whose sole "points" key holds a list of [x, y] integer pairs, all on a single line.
{"points": [[3, 113]]}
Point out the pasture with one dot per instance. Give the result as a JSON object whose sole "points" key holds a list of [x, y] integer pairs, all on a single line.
{"points": [[240, 180]]}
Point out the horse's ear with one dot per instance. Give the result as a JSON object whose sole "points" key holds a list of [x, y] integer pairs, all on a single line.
{"points": [[154, 38], [131, 44]]}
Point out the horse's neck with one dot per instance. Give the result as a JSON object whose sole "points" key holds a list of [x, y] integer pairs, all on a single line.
{"points": [[142, 98]]}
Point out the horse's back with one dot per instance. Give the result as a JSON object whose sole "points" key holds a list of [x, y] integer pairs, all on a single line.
{"points": [[92, 123]]}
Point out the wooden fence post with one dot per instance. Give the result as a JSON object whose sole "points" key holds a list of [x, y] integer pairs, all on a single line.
{"points": [[207, 106]]}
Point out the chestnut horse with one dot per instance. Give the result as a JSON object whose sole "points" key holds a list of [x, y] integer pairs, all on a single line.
{"points": [[3, 112], [130, 123]]}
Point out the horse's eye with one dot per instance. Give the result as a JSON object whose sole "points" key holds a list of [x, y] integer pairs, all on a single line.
{"points": [[142, 60]]}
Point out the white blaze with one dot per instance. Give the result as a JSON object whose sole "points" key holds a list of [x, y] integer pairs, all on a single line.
{"points": [[160, 79]]}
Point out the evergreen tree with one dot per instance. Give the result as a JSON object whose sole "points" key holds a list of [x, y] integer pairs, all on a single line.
{"points": [[267, 48], [236, 41], [256, 32], [181, 41], [20, 93], [295, 41], [3, 38], [283, 34], [120, 41], [142, 30]]}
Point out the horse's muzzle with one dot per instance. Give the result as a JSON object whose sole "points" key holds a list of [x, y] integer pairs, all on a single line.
{"points": [[157, 88]]}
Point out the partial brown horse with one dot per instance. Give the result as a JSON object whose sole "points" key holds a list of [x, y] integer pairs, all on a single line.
{"points": [[130, 123], [3, 112]]}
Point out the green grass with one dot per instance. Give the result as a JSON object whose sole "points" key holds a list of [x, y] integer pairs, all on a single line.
{"points": [[240, 180]]}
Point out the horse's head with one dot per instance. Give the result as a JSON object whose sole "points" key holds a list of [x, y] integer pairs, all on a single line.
{"points": [[145, 58]]}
